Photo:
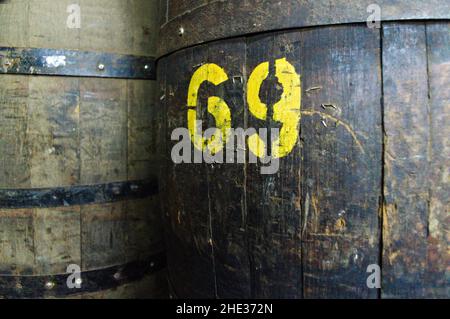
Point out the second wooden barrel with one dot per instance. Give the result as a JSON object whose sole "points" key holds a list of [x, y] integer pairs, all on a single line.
{"points": [[79, 212], [358, 207]]}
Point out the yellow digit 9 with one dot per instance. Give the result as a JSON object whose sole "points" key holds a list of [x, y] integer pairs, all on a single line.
{"points": [[216, 106], [286, 111]]}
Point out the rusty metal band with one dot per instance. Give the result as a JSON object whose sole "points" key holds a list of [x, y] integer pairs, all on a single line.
{"points": [[77, 195], [51, 62], [90, 281], [219, 19]]}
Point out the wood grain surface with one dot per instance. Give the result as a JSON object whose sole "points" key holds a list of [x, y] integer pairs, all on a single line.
{"points": [[366, 184], [69, 131]]}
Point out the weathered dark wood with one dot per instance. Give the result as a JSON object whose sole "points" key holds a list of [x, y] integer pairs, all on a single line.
{"points": [[438, 50], [72, 146], [227, 182], [341, 151], [187, 206], [181, 7], [224, 19], [273, 201], [416, 60], [366, 183], [257, 226]]}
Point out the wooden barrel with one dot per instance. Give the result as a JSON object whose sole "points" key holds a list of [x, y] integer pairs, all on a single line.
{"points": [[79, 213], [359, 205]]}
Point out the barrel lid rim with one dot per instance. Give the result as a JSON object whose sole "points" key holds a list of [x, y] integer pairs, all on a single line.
{"points": [[182, 31]]}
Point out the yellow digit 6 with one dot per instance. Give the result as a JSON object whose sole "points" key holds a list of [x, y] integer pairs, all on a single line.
{"points": [[286, 111], [216, 106]]}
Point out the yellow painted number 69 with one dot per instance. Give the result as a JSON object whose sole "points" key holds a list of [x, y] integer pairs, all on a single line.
{"points": [[285, 111]]}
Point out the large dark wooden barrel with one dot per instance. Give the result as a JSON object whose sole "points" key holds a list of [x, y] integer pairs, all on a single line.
{"points": [[362, 192], [77, 142]]}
